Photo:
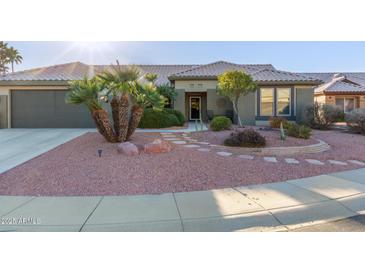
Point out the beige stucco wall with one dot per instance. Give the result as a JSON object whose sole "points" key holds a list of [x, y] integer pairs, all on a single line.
{"points": [[216, 103], [5, 90], [196, 85]]}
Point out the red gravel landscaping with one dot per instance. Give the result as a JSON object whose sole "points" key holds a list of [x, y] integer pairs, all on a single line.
{"points": [[74, 169]]}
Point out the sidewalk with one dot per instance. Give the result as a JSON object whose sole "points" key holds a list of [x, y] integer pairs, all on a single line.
{"points": [[278, 206]]}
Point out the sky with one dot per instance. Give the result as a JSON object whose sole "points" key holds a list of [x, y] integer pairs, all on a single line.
{"points": [[290, 56]]}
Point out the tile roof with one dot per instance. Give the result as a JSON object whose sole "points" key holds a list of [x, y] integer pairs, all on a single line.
{"points": [[259, 72], [212, 70], [77, 70], [273, 75]]}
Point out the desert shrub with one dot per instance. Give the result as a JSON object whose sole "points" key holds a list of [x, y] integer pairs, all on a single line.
{"points": [[220, 123], [276, 121], [322, 116], [180, 117], [158, 119], [299, 131], [356, 120], [245, 138]]}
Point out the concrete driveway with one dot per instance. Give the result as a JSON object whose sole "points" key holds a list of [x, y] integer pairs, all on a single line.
{"points": [[20, 145]]}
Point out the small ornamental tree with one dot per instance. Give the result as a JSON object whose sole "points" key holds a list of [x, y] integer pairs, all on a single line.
{"points": [[234, 84]]}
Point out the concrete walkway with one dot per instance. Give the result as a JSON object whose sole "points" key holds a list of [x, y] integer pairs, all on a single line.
{"points": [[282, 206], [191, 128], [20, 145]]}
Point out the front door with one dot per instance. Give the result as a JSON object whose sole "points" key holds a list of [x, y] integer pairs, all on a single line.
{"points": [[195, 107]]}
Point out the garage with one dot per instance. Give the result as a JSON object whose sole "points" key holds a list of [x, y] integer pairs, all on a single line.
{"points": [[47, 109]]}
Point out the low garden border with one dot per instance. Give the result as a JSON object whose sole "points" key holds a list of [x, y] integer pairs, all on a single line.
{"points": [[278, 151]]}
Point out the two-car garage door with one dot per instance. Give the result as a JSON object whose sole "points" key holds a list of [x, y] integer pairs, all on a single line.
{"points": [[47, 109]]}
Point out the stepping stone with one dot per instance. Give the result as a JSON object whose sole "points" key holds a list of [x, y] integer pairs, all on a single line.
{"points": [[204, 149], [213, 145], [172, 139], [291, 161], [315, 162], [203, 143], [356, 162], [191, 146], [179, 142], [337, 162], [224, 153], [270, 159], [246, 157]]}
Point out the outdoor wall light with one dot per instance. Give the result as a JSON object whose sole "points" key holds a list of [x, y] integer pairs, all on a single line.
{"points": [[99, 152]]}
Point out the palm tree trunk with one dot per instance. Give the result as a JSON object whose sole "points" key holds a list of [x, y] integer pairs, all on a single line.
{"points": [[115, 106], [136, 115], [103, 124], [123, 118], [12, 66]]}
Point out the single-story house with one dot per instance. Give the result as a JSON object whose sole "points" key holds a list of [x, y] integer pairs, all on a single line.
{"points": [[345, 90], [35, 98]]}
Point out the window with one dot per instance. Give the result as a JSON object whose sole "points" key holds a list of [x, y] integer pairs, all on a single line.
{"points": [[266, 101], [345, 104], [283, 101]]}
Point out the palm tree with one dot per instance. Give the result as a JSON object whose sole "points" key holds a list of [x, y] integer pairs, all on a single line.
{"points": [[120, 83], [87, 92], [13, 56], [3, 58], [143, 96]]}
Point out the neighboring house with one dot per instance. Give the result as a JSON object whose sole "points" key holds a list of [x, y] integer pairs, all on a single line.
{"points": [[35, 98], [345, 90]]}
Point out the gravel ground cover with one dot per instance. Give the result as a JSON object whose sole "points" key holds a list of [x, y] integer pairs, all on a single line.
{"points": [[74, 169]]}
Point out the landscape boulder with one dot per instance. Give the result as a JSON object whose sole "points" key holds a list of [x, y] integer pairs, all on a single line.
{"points": [[157, 146], [128, 148]]}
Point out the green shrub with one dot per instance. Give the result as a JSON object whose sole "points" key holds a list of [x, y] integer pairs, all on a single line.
{"points": [[220, 123], [158, 119], [276, 121], [356, 120], [245, 138], [299, 131], [322, 116], [178, 114]]}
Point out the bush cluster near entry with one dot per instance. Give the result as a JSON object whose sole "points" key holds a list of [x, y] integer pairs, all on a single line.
{"points": [[220, 123], [245, 138], [161, 119], [178, 114], [298, 131]]}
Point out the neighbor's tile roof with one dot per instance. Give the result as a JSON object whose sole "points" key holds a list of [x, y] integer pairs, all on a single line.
{"points": [[345, 87], [356, 77]]}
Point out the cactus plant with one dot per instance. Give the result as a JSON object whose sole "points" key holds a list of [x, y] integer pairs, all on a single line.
{"points": [[282, 132]]}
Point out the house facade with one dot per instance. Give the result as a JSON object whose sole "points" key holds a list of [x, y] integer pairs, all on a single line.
{"points": [[344, 90], [36, 98]]}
